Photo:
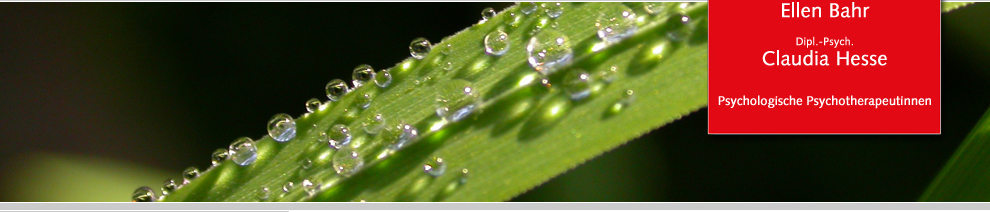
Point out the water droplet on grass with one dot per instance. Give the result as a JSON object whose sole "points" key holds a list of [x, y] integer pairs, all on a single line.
{"points": [[496, 43], [464, 176], [335, 89], [654, 8], [374, 124], [527, 7], [400, 136], [219, 156], [312, 105], [189, 174], [243, 151], [456, 99], [362, 74], [143, 194], [282, 127], [419, 48], [554, 9], [447, 66], [169, 186], [627, 99], [288, 187], [613, 26], [340, 136], [383, 78], [347, 161], [577, 84], [435, 167], [549, 51], [486, 14], [308, 187], [364, 101], [264, 193]]}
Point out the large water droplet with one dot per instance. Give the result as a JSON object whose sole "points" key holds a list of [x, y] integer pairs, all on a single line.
{"points": [[435, 167], [374, 124], [340, 136], [308, 187], [456, 99], [282, 127], [347, 161], [615, 25], [383, 78], [264, 193], [189, 174], [554, 9], [549, 51], [243, 151], [288, 187], [362, 74], [527, 7], [577, 83], [312, 105], [487, 14], [496, 43], [336, 88], [169, 186], [364, 100], [400, 136], [219, 156], [419, 48], [143, 194]]}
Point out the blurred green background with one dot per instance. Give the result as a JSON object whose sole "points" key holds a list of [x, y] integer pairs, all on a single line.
{"points": [[101, 98]]}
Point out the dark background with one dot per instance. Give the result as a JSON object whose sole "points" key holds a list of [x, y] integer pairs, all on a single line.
{"points": [[165, 84]]}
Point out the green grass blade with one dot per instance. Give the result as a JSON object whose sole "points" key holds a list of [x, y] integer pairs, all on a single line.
{"points": [[524, 132], [949, 6], [965, 177]]}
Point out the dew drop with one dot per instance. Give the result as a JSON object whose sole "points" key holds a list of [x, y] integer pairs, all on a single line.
{"points": [[335, 89], [608, 76], [362, 74], [487, 13], [308, 187], [243, 151], [143, 194], [322, 137], [219, 156], [548, 51], [264, 193], [654, 8], [383, 78], [577, 84], [447, 66], [364, 101], [189, 174], [554, 9], [623, 103], [456, 99], [282, 127], [169, 186], [496, 43], [464, 176], [347, 161], [306, 164], [374, 124], [340, 136], [419, 48], [527, 7], [445, 48], [288, 187], [400, 136], [554, 24], [435, 167], [312, 105], [613, 26]]}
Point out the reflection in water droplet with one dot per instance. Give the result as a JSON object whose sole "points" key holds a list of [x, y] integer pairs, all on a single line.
{"points": [[456, 99], [282, 127], [577, 83], [496, 43], [340, 136], [243, 151], [486, 14], [309, 187], [347, 161], [383, 78], [527, 7], [364, 101], [143, 194], [362, 74], [335, 89], [435, 167], [374, 124], [553, 10], [419, 48], [613, 26], [549, 51], [288, 187], [218, 156], [189, 174], [169, 186], [312, 105], [400, 136], [264, 193]]}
